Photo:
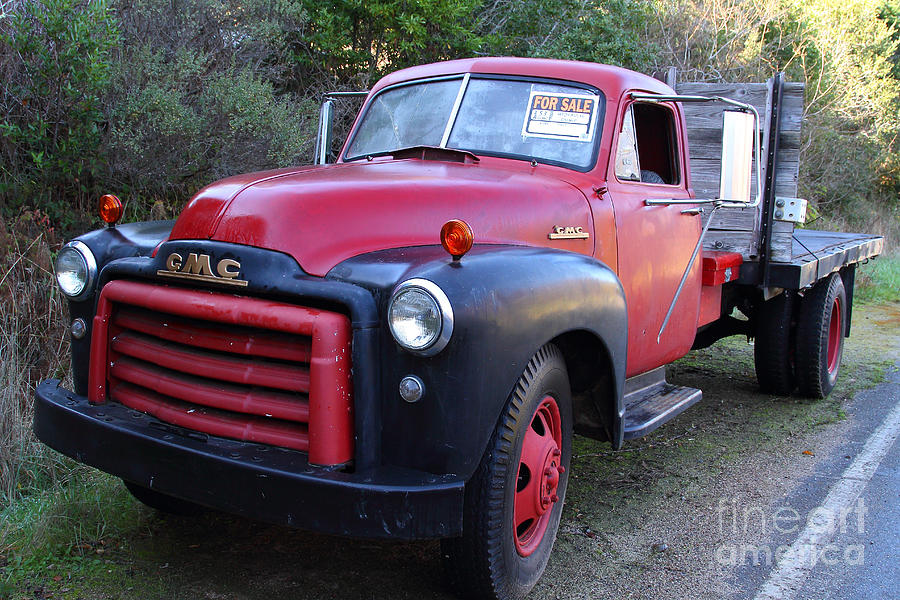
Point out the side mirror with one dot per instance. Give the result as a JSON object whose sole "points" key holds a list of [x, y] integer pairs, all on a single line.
{"points": [[323, 138], [738, 129]]}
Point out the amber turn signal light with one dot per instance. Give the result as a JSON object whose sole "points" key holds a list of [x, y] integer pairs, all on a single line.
{"points": [[457, 238], [110, 208]]}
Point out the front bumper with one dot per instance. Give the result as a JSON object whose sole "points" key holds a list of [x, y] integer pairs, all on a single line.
{"points": [[262, 482]]}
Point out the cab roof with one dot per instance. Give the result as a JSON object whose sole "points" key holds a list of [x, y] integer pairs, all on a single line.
{"points": [[613, 81]]}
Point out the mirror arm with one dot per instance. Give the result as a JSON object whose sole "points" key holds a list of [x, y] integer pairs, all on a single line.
{"points": [[687, 271]]}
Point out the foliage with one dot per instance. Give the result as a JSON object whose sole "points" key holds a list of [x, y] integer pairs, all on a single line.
{"points": [[33, 345], [605, 31], [878, 281], [847, 54], [55, 65], [360, 40]]}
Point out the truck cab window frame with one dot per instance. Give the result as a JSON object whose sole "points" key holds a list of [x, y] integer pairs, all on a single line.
{"points": [[647, 150]]}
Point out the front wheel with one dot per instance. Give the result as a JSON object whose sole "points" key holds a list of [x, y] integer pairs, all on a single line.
{"points": [[820, 337], [514, 501]]}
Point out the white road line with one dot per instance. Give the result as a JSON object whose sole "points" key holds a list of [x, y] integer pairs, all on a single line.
{"points": [[794, 567]]}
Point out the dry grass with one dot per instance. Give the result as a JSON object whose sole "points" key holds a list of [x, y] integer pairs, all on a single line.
{"points": [[33, 346]]}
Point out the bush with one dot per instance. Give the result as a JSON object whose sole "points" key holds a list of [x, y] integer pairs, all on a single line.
{"points": [[54, 61]]}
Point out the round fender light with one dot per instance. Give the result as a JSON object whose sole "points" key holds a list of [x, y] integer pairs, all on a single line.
{"points": [[457, 238], [110, 208], [411, 388]]}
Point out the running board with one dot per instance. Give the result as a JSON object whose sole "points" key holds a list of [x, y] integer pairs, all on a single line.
{"points": [[650, 402]]}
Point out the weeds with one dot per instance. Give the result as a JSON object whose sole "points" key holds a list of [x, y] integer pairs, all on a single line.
{"points": [[33, 347], [878, 281]]}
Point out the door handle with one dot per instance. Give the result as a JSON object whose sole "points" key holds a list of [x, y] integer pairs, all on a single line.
{"points": [[692, 211]]}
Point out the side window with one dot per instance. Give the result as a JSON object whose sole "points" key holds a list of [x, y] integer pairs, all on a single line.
{"points": [[627, 166], [652, 141]]}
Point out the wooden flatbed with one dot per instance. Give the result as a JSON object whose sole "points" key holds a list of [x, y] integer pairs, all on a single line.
{"points": [[815, 254]]}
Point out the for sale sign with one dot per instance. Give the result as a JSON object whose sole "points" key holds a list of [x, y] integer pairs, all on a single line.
{"points": [[561, 116]]}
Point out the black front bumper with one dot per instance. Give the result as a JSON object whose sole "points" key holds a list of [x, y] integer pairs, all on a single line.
{"points": [[262, 482]]}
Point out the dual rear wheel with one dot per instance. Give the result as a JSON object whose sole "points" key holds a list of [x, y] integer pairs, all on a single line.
{"points": [[799, 341]]}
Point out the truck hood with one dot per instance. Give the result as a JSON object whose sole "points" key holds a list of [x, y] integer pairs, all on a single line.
{"points": [[324, 215]]}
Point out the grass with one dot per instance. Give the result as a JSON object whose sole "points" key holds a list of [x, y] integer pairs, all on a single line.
{"points": [[878, 281]]}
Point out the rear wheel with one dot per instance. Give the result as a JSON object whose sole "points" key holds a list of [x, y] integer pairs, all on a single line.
{"points": [[514, 501], [163, 502], [820, 337], [773, 349]]}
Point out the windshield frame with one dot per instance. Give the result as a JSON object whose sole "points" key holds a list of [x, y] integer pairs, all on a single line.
{"points": [[465, 78]]}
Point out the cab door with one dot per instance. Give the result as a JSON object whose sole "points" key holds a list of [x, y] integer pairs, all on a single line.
{"points": [[655, 242]]}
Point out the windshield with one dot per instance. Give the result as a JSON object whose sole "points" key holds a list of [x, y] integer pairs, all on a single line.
{"points": [[546, 122]]}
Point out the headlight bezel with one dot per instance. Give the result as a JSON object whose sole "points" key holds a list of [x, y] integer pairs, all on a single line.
{"points": [[90, 264], [444, 309]]}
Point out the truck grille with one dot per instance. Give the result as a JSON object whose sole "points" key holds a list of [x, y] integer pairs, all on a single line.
{"points": [[231, 366]]}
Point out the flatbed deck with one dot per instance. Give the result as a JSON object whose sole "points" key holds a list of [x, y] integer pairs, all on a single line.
{"points": [[815, 254]]}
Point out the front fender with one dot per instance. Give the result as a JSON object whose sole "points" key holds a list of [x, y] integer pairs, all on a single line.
{"points": [[507, 302], [107, 244]]}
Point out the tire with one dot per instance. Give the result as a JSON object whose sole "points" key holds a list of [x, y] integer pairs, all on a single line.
{"points": [[164, 503], [773, 350], [821, 323], [514, 501]]}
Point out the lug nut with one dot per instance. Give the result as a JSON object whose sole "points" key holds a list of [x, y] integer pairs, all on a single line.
{"points": [[561, 469], [554, 498]]}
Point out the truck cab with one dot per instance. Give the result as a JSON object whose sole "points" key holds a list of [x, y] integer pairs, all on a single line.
{"points": [[402, 343]]}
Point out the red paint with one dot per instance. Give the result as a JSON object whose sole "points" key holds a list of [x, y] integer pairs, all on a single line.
{"points": [[325, 215], [835, 333], [249, 371], [198, 390], [181, 382], [207, 420], [268, 344], [655, 244], [715, 265], [710, 304], [538, 477]]}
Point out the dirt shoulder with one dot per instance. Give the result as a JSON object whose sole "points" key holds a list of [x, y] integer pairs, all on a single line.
{"points": [[643, 522]]}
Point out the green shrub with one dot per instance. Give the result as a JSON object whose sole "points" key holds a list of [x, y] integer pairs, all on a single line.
{"points": [[54, 61]]}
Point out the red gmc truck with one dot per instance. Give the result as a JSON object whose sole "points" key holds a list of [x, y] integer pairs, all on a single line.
{"points": [[401, 343]]}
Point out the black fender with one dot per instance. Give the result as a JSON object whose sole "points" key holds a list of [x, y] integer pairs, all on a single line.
{"points": [[507, 302], [108, 244]]}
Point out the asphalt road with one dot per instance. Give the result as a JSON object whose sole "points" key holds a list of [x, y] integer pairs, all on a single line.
{"points": [[861, 558]]}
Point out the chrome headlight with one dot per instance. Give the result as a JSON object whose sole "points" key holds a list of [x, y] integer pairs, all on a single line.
{"points": [[420, 317], [76, 270]]}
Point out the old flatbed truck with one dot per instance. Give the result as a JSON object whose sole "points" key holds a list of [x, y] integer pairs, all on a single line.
{"points": [[402, 343]]}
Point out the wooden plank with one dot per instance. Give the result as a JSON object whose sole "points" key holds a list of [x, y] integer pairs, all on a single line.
{"points": [[745, 242], [736, 229], [707, 143], [705, 178], [742, 219], [709, 115]]}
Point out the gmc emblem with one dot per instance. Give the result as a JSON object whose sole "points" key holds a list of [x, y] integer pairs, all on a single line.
{"points": [[199, 267]]}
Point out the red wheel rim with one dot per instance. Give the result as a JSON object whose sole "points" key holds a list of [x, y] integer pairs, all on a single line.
{"points": [[834, 337], [538, 476]]}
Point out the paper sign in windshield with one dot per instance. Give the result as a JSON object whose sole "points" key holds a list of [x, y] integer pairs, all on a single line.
{"points": [[561, 116]]}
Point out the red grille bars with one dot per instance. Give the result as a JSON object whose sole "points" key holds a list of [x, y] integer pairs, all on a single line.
{"points": [[238, 367]]}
